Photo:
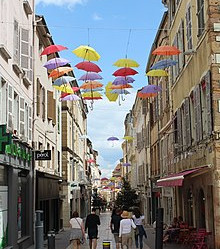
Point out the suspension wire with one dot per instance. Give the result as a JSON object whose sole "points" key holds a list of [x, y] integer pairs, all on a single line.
{"points": [[129, 36], [88, 38]]}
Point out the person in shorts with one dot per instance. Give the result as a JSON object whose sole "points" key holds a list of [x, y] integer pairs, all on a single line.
{"points": [[115, 225], [92, 222]]}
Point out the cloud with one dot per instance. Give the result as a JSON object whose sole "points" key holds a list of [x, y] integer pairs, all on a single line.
{"points": [[97, 17], [107, 169], [68, 3]]}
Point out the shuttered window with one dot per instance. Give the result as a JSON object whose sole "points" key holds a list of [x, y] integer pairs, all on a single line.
{"points": [[16, 43], [25, 49], [30, 124], [10, 107], [22, 116], [51, 107], [189, 27], [179, 130], [200, 17], [188, 138], [209, 102], [180, 45], [16, 111], [43, 103], [198, 113], [38, 97]]}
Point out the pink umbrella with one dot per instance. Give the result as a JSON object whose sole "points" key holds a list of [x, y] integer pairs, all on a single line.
{"points": [[90, 160], [53, 49], [71, 97]]}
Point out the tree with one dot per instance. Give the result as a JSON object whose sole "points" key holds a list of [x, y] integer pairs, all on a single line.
{"points": [[127, 197]]}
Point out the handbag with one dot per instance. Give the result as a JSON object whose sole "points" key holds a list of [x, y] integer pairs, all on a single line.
{"points": [[82, 240]]}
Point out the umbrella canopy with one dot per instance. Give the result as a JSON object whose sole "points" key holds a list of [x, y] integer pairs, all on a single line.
{"points": [[126, 164], [112, 97], [112, 139], [126, 63], [125, 71], [91, 161], [120, 91], [99, 89], [163, 64], [71, 97], [128, 138], [157, 73], [92, 95], [104, 179], [53, 49], [151, 89], [88, 66], [63, 80], [56, 62], [87, 53], [91, 85], [91, 76], [121, 86], [123, 80], [166, 50], [112, 178], [92, 98], [60, 71], [146, 95], [64, 88]]}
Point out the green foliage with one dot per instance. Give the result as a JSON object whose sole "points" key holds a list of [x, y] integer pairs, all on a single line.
{"points": [[127, 197]]}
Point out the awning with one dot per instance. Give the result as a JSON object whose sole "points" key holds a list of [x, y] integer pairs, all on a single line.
{"points": [[177, 178]]}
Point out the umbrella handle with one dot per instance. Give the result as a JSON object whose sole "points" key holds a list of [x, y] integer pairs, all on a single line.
{"points": [[119, 103], [91, 105], [123, 99]]}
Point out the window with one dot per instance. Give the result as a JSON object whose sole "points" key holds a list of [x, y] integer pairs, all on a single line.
{"points": [[198, 113], [189, 27], [16, 42], [3, 101], [38, 96], [16, 112], [200, 16], [192, 117]]}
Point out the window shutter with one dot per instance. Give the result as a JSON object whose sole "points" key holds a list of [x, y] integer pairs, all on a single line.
{"points": [[179, 129], [209, 102], [1, 101], [22, 116], [144, 106], [198, 113], [50, 105], [38, 97], [25, 50], [189, 27], [187, 122], [16, 42], [54, 112], [30, 124], [180, 43], [43, 103], [30, 71], [10, 107]]}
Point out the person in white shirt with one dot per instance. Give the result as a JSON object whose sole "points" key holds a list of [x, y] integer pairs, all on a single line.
{"points": [[77, 233], [125, 231]]}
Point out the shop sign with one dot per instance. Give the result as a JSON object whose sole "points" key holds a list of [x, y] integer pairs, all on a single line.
{"points": [[167, 192], [42, 155], [5, 138]]}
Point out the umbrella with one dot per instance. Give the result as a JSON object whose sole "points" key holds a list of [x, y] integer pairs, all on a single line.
{"points": [[121, 86], [88, 66], [123, 80], [120, 91], [91, 161], [71, 97], [146, 95], [56, 62], [163, 64], [112, 139], [112, 178], [111, 184], [104, 179], [128, 138], [126, 164], [125, 71], [99, 89], [53, 49], [87, 53], [91, 76], [166, 50], [63, 80], [64, 88], [151, 89], [105, 187], [91, 98], [126, 63], [91, 85], [60, 71], [112, 97], [157, 73]]}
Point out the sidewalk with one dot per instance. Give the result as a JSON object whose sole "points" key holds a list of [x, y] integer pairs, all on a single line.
{"points": [[62, 239]]}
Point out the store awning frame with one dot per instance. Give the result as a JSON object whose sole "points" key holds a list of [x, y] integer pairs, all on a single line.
{"points": [[176, 179]]}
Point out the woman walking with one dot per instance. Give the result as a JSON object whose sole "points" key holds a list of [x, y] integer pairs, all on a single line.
{"points": [[125, 230], [140, 232], [77, 233]]}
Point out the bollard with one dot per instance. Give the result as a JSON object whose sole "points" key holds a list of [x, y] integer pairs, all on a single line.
{"points": [[106, 244], [39, 230], [51, 239], [159, 229]]}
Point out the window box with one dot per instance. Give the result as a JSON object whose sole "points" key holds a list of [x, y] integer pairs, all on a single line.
{"points": [[26, 82], [4, 52], [17, 69], [27, 7]]}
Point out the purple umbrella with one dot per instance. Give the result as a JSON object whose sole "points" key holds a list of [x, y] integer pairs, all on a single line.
{"points": [[151, 89], [56, 62], [112, 139], [123, 80], [126, 164], [120, 91], [71, 97], [91, 76]]}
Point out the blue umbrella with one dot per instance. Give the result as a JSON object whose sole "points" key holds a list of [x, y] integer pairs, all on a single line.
{"points": [[121, 80], [120, 91], [112, 139], [63, 80], [99, 89], [163, 64]]}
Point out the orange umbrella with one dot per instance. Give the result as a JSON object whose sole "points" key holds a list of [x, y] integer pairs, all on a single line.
{"points": [[60, 71], [91, 85], [121, 86], [146, 95], [166, 50]]}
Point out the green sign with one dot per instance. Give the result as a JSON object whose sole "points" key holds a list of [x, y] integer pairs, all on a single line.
{"points": [[5, 138]]}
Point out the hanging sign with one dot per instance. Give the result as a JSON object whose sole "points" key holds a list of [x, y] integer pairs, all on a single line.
{"points": [[42, 155]]}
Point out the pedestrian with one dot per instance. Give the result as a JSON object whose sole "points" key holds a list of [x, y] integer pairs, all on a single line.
{"points": [[140, 231], [125, 230], [77, 234], [92, 222], [115, 225]]}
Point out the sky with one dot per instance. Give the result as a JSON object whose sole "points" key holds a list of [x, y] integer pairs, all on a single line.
{"points": [[114, 28]]}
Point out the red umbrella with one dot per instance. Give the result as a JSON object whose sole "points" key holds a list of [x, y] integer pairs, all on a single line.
{"points": [[90, 160], [121, 86], [125, 71], [104, 179], [53, 49], [88, 66], [92, 98], [166, 50]]}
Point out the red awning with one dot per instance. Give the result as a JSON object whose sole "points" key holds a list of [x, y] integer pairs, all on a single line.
{"points": [[177, 178]]}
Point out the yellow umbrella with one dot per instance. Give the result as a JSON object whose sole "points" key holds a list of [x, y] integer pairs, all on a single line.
{"points": [[87, 53], [111, 96], [112, 178], [128, 138], [92, 94], [157, 73], [64, 88], [126, 63]]}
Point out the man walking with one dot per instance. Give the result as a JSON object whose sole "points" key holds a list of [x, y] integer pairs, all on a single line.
{"points": [[115, 225], [92, 222]]}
